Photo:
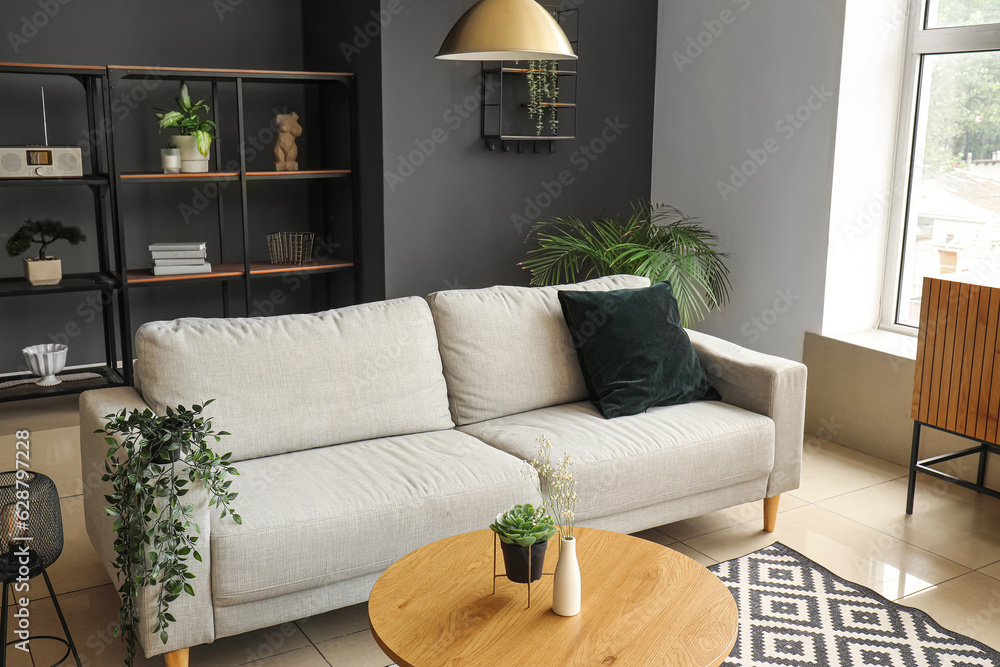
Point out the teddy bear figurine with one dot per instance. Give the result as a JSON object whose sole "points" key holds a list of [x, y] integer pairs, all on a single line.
{"points": [[285, 150]]}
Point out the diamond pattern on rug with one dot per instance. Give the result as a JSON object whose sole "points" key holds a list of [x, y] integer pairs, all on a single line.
{"points": [[796, 613]]}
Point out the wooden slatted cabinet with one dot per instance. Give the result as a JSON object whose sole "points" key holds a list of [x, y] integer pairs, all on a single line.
{"points": [[954, 387]]}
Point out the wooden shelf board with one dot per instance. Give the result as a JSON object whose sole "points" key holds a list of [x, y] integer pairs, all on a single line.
{"points": [[85, 68], [235, 73], [109, 377], [86, 179], [266, 268], [158, 177], [227, 271], [73, 282], [292, 175], [525, 70], [219, 272], [559, 105], [507, 137]]}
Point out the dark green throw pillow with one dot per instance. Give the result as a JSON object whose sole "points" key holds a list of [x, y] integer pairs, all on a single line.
{"points": [[633, 351]]}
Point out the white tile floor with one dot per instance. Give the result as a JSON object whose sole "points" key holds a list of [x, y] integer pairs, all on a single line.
{"points": [[847, 515]]}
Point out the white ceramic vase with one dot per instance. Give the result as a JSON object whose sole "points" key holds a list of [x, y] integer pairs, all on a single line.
{"points": [[46, 360], [566, 584]]}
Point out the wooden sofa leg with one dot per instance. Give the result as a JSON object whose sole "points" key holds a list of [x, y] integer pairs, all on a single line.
{"points": [[178, 658], [771, 512]]}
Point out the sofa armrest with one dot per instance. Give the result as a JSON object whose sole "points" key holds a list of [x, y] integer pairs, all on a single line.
{"points": [[767, 385], [195, 615]]}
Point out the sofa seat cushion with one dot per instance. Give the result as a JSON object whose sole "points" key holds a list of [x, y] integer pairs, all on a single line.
{"points": [[640, 460], [320, 516], [506, 350]]}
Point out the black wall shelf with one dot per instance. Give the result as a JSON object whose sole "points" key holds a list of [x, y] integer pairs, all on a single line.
{"points": [[497, 76]]}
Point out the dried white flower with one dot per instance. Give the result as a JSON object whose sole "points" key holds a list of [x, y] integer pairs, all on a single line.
{"points": [[559, 497]]}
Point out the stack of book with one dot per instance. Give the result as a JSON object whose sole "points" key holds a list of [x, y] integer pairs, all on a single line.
{"points": [[171, 259]]}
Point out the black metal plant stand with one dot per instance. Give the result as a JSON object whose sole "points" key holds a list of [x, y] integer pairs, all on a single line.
{"points": [[31, 540]]}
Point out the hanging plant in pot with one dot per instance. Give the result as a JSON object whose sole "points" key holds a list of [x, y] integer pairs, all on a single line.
{"points": [[195, 138], [524, 532], [152, 462], [44, 269]]}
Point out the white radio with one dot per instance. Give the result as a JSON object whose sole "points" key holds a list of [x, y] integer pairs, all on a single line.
{"points": [[41, 162]]}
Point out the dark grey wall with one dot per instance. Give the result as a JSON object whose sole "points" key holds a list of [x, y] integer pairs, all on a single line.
{"points": [[450, 222], [263, 34], [347, 37]]}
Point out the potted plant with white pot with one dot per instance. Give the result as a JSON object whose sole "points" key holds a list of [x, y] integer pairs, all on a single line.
{"points": [[195, 138], [44, 269]]}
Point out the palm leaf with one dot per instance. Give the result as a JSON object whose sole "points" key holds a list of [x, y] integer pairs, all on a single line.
{"points": [[658, 242]]}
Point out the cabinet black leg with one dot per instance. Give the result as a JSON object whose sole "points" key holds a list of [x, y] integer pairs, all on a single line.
{"points": [[914, 457], [981, 475]]}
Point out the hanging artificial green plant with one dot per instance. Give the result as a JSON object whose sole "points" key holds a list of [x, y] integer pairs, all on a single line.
{"points": [[543, 94], [150, 463]]}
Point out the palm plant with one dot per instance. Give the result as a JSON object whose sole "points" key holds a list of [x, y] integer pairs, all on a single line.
{"points": [[655, 241]]}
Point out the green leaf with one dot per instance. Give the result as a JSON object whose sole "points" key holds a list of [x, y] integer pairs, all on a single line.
{"points": [[170, 119], [184, 101], [204, 140]]}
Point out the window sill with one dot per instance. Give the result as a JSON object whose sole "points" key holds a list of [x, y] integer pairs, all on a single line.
{"points": [[902, 345]]}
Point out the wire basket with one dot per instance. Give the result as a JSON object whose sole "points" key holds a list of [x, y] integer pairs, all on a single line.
{"points": [[290, 247]]}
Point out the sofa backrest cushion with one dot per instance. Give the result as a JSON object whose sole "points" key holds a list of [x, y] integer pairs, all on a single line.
{"points": [[295, 382], [507, 349]]}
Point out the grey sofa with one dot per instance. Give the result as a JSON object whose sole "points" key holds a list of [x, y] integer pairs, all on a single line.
{"points": [[365, 432]]}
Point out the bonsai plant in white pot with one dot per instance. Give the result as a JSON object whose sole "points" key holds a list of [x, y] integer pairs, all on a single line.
{"points": [[44, 269], [195, 138]]}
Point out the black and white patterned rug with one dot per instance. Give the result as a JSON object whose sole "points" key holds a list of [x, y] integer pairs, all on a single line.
{"points": [[796, 613]]}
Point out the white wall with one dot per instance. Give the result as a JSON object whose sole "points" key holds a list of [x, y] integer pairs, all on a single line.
{"points": [[757, 62], [863, 186]]}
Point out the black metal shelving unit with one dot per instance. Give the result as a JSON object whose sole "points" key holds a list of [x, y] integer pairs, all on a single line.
{"points": [[104, 178], [106, 280], [493, 77], [245, 269]]}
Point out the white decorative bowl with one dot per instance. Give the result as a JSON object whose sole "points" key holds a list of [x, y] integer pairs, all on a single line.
{"points": [[46, 360]]}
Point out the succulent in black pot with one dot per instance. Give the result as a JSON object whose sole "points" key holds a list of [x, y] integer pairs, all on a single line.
{"points": [[524, 532]]}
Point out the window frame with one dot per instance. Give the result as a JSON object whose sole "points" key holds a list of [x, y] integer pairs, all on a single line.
{"points": [[920, 42]]}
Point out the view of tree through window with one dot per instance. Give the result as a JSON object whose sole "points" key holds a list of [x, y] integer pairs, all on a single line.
{"points": [[944, 13], [953, 221]]}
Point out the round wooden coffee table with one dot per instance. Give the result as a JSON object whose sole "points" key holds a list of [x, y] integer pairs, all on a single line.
{"points": [[643, 604]]}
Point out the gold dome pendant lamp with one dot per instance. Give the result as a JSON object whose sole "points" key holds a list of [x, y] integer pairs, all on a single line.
{"points": [[506, 30]]}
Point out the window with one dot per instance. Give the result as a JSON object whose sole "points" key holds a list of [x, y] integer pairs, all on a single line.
{"points": [[947, 220]]}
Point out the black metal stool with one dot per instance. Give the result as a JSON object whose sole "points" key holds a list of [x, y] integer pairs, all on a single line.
{"points": [[31, 540]]}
